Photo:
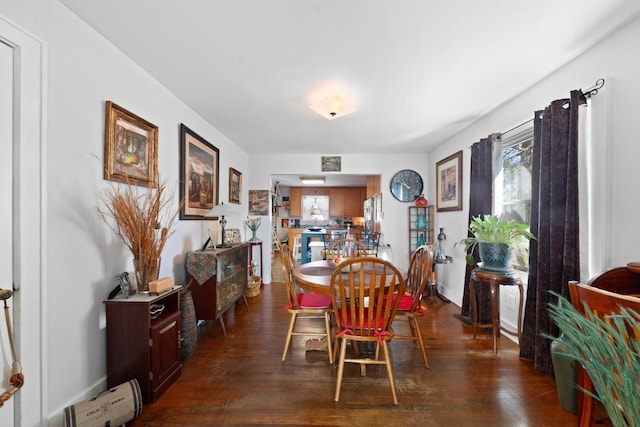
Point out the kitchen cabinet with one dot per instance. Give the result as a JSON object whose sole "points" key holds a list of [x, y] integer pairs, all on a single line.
{"points": [[218, 279], [143, 346], [343, 201], [295, 202], [373, 185], [354, 201]]}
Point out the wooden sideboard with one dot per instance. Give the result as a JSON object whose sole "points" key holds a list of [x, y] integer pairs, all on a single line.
{"points": [[143, 346], [218, 280]]}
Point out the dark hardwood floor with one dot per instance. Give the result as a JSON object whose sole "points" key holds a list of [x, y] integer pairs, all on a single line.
{"points": [[242, 381]]}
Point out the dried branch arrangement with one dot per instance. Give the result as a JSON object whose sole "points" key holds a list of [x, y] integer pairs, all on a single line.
{"points": [[142, 220]]}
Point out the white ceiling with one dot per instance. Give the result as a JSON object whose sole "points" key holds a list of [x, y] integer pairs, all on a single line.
{"points": [[417, 71]]}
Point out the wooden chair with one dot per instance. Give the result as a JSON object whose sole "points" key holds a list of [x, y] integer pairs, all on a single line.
{"points": [[602, 303], [364, 310], [345, 248], [410, 307], [371, 242], [304, 305]]}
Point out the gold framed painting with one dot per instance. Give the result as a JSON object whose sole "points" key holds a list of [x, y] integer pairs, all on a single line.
{"points": [[199, 177], [235, 185], [130, 147], [449, 183]]}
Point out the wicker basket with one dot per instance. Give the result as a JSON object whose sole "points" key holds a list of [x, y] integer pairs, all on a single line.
{"points": [[253, 289]]}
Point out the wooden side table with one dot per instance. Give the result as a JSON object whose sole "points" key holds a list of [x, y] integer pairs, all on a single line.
{"points": [[494, 280]]}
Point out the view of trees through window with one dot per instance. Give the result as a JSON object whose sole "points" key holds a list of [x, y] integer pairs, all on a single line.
{"points": [[513, 182]]}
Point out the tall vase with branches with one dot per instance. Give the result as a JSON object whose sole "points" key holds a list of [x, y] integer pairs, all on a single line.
{"points": [[143, 219]]}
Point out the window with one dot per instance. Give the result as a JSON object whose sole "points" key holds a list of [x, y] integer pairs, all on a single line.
{"points": [[512, 181]]}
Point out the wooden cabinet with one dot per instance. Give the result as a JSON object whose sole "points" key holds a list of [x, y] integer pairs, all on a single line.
{"points": [[141, 346], [354, 201], [417, 229], [218, 279], [373, 185], [343, 201], [295, 202], [337, 205]]}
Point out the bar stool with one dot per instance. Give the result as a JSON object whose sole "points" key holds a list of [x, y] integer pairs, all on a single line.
{"points": [[494, 280], [297, 248]]}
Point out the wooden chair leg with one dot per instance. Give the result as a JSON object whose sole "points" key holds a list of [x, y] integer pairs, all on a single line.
{"points": [[392, 382], [416, 326], [327, 324], [343, 354], [292, 325]]}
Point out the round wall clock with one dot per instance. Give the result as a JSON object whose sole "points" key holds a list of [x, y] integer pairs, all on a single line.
{"points": [[406, 185]]}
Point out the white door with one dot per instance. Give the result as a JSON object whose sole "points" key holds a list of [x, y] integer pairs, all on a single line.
{"points": [[6, 222]]}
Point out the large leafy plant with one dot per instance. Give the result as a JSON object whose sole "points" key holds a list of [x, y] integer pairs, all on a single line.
{"points": [[608, 353], [491, 229]]}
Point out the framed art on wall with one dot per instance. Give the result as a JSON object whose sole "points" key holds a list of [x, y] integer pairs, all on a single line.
{"points": [[331, 163], [259, 202], [199, 177], [130, 147], [235, 185], [449, 183]]}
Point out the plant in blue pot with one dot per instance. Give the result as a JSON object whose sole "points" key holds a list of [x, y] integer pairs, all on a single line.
{"points": [[497, 240]]}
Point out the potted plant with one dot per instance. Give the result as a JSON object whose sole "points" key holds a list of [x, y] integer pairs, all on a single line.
{"points": [[497, 240]]}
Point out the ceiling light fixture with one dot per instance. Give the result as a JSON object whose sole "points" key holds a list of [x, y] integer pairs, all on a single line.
{"points": [[312, 180], [332, 107]]}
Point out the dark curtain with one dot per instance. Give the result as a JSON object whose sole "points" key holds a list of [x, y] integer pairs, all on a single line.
{"points": [[554, 257], [480, 203]]}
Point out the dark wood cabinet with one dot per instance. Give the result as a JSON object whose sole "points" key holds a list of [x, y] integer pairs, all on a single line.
{"points": [[142, 347], [218, 279]]}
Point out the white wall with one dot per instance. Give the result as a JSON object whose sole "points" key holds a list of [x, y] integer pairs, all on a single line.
{"points": [[612, 59], [395, 222], [83, 255]]}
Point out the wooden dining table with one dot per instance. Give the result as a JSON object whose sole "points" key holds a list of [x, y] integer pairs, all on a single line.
{"points": [[315, 276]]}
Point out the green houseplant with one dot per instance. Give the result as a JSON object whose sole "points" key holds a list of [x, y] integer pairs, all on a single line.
{"points": [[497, 240], [609, 355]]}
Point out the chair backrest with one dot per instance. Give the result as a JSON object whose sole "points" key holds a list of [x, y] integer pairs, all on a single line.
{"points": [[362, 299], [371, 242], [286, 257], [600, 301], [345, 248], [420, 269]]}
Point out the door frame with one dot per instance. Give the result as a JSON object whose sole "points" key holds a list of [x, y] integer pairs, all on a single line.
{"points": [[29, 229]]}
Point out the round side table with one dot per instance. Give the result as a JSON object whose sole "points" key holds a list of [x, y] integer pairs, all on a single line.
{"points": [[494, 280]]}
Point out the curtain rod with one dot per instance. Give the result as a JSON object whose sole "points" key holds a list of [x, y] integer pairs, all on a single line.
{"points": [[592, 91]]}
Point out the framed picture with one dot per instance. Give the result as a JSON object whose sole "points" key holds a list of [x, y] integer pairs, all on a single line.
{"points": [[126, 287], [232, 236], [199, 177], [259, 202], [235, 185], [331, 163], [285, 222], [130, 148], [449, 183]]}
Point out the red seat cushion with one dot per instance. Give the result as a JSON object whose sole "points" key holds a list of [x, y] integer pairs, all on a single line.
{"points": [[406, 302], [351, 325], [314, 301]]}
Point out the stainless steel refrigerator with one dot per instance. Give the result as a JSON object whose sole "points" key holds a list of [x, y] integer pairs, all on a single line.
{"points": [[370, 215]]}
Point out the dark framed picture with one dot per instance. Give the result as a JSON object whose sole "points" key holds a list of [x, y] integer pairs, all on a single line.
{"points": [[259, 202], [130, 147], [199, 175], [449, 183], [285, 223], [235, 185], [126, 288], [331, 163]]}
